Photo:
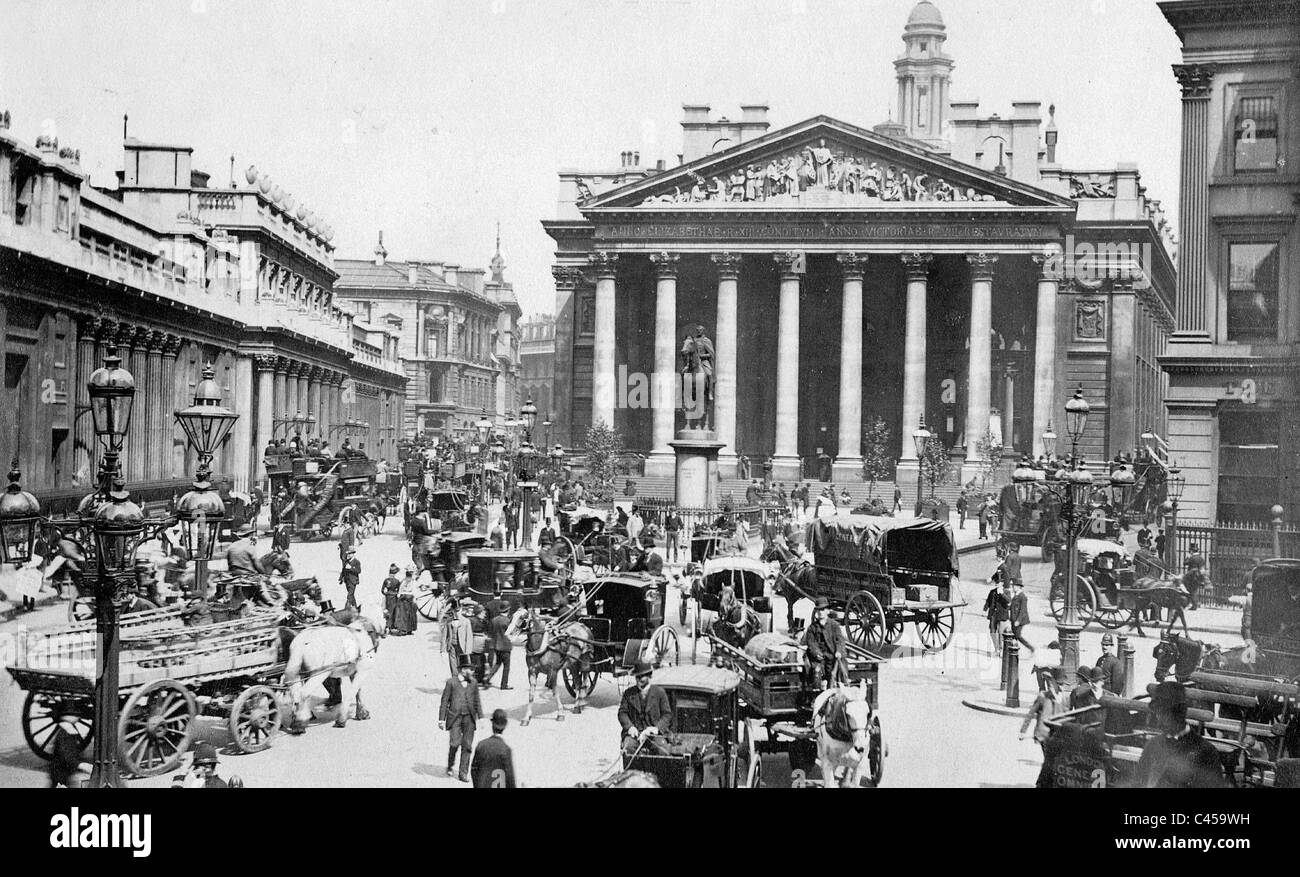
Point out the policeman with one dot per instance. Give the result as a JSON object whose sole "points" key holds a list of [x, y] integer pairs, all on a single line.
{"points": [[1111, 668]]}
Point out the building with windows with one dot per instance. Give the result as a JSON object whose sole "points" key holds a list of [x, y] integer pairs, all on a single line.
{"points": [[456, 336], [943, 265], [537, 364], [1234, 357], [175, 274]]}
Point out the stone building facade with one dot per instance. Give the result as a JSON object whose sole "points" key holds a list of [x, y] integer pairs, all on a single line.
{"points": [[537, 366]]}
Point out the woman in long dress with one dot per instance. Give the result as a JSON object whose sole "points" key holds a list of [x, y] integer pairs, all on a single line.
{"points": [[406, 619], [389, 589]]}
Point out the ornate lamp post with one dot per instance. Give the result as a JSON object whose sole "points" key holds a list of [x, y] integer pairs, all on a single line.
{"points": [[483, 426], [557, 460], [527, 461], [200, 511], [1175, 483], [921, 439], [1077, 483]]}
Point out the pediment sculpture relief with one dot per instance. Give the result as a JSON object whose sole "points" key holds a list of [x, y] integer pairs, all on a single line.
{"points": [[818, 169]]}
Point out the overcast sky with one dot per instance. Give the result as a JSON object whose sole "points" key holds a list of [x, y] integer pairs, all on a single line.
{"points": [[435, 119]]}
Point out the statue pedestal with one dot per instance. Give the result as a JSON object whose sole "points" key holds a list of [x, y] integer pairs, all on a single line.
{"points": [[697, 468]]}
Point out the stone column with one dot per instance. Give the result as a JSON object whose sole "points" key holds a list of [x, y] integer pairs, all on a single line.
{"points": [[265, 406], [662, 460], [1191, 308], [173, 435], [848, 460], [917, 266], [131, 343], [158, 445], [281, 398], [1009, 411], [979, 376], [313, 399], [244, 456], [724, 361], [567, 280], [304, 399], [603, 392], [91, 334], [1046, 397], [785, 463]]}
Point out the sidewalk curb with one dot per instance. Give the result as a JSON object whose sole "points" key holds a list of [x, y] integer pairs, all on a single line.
{"points": [[15, 610], [996, 707], [977, 547]]}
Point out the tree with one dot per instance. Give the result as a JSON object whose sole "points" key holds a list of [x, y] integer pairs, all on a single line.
{"points": [[988, 457], [936, 466], [604, 445], [877, 463]]}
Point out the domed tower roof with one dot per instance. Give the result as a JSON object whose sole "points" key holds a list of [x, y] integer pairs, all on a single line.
{"points": [[925, 14]]}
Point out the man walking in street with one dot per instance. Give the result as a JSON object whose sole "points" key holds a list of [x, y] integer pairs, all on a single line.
{"points": [[459, 715], [498, 643], [898, 499], [493, 766], [350, 576], [673, 529], [511, 514], [962, 504], [1019, 612]]}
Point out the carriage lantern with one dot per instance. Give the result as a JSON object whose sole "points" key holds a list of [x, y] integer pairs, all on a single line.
{"points": [[19, 514], [200, 513], [1076, 417], [1049, 439], [112, 391]]}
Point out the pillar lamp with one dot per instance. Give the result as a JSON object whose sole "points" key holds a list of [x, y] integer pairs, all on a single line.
{"points": [[1175, 484], [1078, 481], [20, 514], [921, 440], [207, 424]]}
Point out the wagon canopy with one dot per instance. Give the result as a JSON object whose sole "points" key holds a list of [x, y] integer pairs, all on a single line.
{"points": [[911, 543], [747, 576], [447, 501]]}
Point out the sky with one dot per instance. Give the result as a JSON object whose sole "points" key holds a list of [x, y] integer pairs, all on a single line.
{"points": [[434, 120]]}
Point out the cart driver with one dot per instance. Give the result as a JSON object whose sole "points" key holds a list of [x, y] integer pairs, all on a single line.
{"points": [[824, 643], [645, 714]]}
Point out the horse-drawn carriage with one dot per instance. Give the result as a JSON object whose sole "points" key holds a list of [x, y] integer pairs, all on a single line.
{"points": [[1110, 591], [450, 561], [590, 540], [710, 741], [170, 674], [319, 489], [1030, 515], [748, 580], [880, 574], [625, 614], [513, 576]]}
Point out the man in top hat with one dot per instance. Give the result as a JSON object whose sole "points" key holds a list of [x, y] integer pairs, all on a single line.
{"points": [[459, 715], [1178, 757], [350, 576], [493, 766], [203, 772], [459, 640], [1087, 692], [1110, 667], [1194, 573], [644, 713], [824, 641]]}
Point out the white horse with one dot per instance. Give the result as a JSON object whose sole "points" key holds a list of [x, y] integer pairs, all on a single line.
{"points": [[330, 652], [842, 721]]}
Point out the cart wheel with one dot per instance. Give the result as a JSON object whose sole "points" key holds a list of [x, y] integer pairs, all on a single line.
{"points": [[1112, 617], [748, 764], [667, 653], [41, 718], [570, 674], [895, 630], [156, 727], [427, 603], [81, 609], [255, 718], [876, 752], [935, 629], [864, 620], [1085, 605]]}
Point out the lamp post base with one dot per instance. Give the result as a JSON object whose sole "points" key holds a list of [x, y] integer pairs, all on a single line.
{"points": [[1067, 634]]}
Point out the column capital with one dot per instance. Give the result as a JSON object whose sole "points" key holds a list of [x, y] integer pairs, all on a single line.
{"points": [[917, 265], [157, 341], [665, 263], [566, 276], [102, 329], [786, 261], [264, 362], [1196, 80], [172, 345], [124, 335], [981, 265], [852, 264], [282, 365], [728, 264], [604, 263]]}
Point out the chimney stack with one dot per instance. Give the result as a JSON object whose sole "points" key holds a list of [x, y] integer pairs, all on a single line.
{"points": [[412, 273]]}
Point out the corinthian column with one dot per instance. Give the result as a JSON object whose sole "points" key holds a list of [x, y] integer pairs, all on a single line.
{"points": [[724, 374], [785, 464], [664, 401], [1045, 394], [980, 376], [917, 267], [1191, 309], [157, 442], [265, 403], [602, 389], [848, 460]]}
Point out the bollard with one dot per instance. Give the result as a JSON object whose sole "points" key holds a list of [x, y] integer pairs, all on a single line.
{"points": [[1006, 654], [1129, 652], [1013, 673]]}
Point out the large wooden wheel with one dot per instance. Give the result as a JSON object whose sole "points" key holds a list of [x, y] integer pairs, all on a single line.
{"points": [[1112, 617], [864, 621], [1085, 606], [895, 630], [935, 628], [664, 647], [427, 602], [876, 753], [255, 718], [156, 727], [571, 673], [44, 714]]}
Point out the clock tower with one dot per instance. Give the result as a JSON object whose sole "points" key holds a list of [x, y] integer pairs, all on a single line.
{"points": [[923, 74]]}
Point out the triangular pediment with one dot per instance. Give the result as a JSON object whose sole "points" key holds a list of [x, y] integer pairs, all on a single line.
{"points": [[823, 163]]}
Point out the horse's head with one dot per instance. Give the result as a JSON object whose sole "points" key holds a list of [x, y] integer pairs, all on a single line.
{"points": [[1180, 654]]}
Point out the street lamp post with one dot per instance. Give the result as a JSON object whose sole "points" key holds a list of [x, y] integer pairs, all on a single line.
{"points": [[1078, 481], [200, 511], [528, 414], [484, 426], [1277, 512], [1175, 483], [921, 439]]}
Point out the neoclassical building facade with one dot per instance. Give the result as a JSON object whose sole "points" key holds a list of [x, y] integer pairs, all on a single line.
{"points": [[846, 273]]}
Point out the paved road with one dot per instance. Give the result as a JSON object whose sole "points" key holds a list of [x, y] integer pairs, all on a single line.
{"points": [[933, 739]]}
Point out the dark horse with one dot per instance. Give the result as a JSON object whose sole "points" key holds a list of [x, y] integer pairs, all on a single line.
{"points": [[797, 579], [552, 646]]}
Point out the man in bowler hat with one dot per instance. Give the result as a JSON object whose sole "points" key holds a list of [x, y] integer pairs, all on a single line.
{"points": [[459, 716], [494, 766]]}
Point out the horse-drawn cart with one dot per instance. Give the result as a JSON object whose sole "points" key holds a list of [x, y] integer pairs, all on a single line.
{"points": [[1110, 591], [625, 614], [170, 674], [882, 573]]}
